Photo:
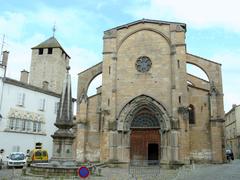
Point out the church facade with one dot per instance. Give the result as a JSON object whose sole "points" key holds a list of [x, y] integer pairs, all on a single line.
{"points": [[149, 107]]}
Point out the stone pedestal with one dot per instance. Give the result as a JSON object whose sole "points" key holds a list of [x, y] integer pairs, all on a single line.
{"points": [[63, 146]]}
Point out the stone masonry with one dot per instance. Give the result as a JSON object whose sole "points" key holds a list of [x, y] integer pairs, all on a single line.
{"points": [[186, 110], [48, 67]]}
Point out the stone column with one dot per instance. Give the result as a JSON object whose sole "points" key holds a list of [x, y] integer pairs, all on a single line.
{"points": [[113, 146], [174, 145], [164, 147], [216, 126]]}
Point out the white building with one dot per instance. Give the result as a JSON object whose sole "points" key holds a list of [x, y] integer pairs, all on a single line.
{"points": [[28, 116], [28, 111]]}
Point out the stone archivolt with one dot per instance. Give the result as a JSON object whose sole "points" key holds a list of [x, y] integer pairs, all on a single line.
{"points": [[128, 113]]}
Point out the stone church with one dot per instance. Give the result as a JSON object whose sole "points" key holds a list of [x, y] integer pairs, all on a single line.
{"points": [[149, 107]]}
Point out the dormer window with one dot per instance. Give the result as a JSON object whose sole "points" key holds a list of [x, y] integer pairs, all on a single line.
{"points": [[40, 51], [50, 50]]}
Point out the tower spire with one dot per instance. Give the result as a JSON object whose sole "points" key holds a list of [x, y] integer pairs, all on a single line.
{"points": [[64, 114], [64, 136]]}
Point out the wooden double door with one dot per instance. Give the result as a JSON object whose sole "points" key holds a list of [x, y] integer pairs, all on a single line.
{"points": [[145, 144]]}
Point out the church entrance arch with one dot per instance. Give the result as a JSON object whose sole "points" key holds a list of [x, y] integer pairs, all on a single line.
{"points": [[146, 122], [145, 136], [145, 144]]}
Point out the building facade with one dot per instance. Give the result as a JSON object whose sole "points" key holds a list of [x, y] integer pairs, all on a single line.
{"points": [[149, 107], [28, 107], [48, 65], [232, 130], [28, 116]]}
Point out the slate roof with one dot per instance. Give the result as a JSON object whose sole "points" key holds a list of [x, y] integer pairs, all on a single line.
{"points": [[50, 43], [29, 86]]}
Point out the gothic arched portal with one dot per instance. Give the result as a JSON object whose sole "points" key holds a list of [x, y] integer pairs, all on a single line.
{"points": [[145, 119], [145, 136]]}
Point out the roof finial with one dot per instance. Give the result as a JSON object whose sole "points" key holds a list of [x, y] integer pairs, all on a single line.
{"points": [[68, 68], [54, 29], [3, 42]]}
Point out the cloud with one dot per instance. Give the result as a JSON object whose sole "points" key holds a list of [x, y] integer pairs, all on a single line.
{"points": [[229, 60], [22, 33], [20, 55], [197, 14], [20, 58], [81, 59], [79, 29], [12, 24]]}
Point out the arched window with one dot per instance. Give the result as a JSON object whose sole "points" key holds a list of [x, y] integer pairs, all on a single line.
{"points": [[191, 114], [145, 118]]}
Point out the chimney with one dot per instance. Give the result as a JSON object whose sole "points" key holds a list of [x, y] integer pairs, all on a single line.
{"points": [[45, 85], [24, 76], [5, 58]]}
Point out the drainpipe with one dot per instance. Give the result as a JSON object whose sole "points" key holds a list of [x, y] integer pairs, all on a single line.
{"points": [[3, 66]]}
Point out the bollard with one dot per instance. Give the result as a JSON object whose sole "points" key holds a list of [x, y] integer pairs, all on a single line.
{"points": [[94, 169], [24, 169], [99, 171]]}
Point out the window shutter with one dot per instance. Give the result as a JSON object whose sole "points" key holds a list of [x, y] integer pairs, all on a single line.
{"points": [[20, 99], [56, 107], [42, 105], [23, 98]]}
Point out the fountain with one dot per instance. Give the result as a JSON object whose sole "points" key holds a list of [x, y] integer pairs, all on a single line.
{"points": [[62, 162]]}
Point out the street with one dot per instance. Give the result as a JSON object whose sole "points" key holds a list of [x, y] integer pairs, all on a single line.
{"points": [[7, 174], [229, 171], [198, 172]]}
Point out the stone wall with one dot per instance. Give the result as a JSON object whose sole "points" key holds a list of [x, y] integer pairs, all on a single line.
{"points": [[200, 142], [50, 68], [88, 135]]}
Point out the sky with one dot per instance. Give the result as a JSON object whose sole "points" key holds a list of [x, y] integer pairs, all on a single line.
{"points": [[213, 31]]}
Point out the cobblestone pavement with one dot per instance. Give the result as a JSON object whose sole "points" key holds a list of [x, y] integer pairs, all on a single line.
{"points": [[9, 174], [229, 171], [197, 172], [107, 174]]}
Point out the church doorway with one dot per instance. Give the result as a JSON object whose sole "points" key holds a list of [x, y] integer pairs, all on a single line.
{"points": [[145, 144], [145, 136], [146, 123], [153, 151]]}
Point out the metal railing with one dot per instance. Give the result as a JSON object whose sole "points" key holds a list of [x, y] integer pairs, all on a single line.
{"points": [[144, 168]]}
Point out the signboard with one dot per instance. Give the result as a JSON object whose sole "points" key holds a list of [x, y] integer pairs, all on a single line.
{"points": [[83, 172]]}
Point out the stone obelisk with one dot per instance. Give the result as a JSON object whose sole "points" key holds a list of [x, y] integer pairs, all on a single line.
{"points": [[63, 137]]}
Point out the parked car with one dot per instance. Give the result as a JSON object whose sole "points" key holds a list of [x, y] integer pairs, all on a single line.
{"points": [[37, 156], [16, 159]]}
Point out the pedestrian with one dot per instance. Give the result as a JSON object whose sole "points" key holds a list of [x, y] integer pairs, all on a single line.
{"points": [[229, 155]]}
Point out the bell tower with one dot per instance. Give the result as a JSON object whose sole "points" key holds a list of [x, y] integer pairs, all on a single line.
{"points": [[48, 65]]}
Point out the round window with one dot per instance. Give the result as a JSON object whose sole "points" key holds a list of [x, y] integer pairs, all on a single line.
{"points": [[143, 64]]}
